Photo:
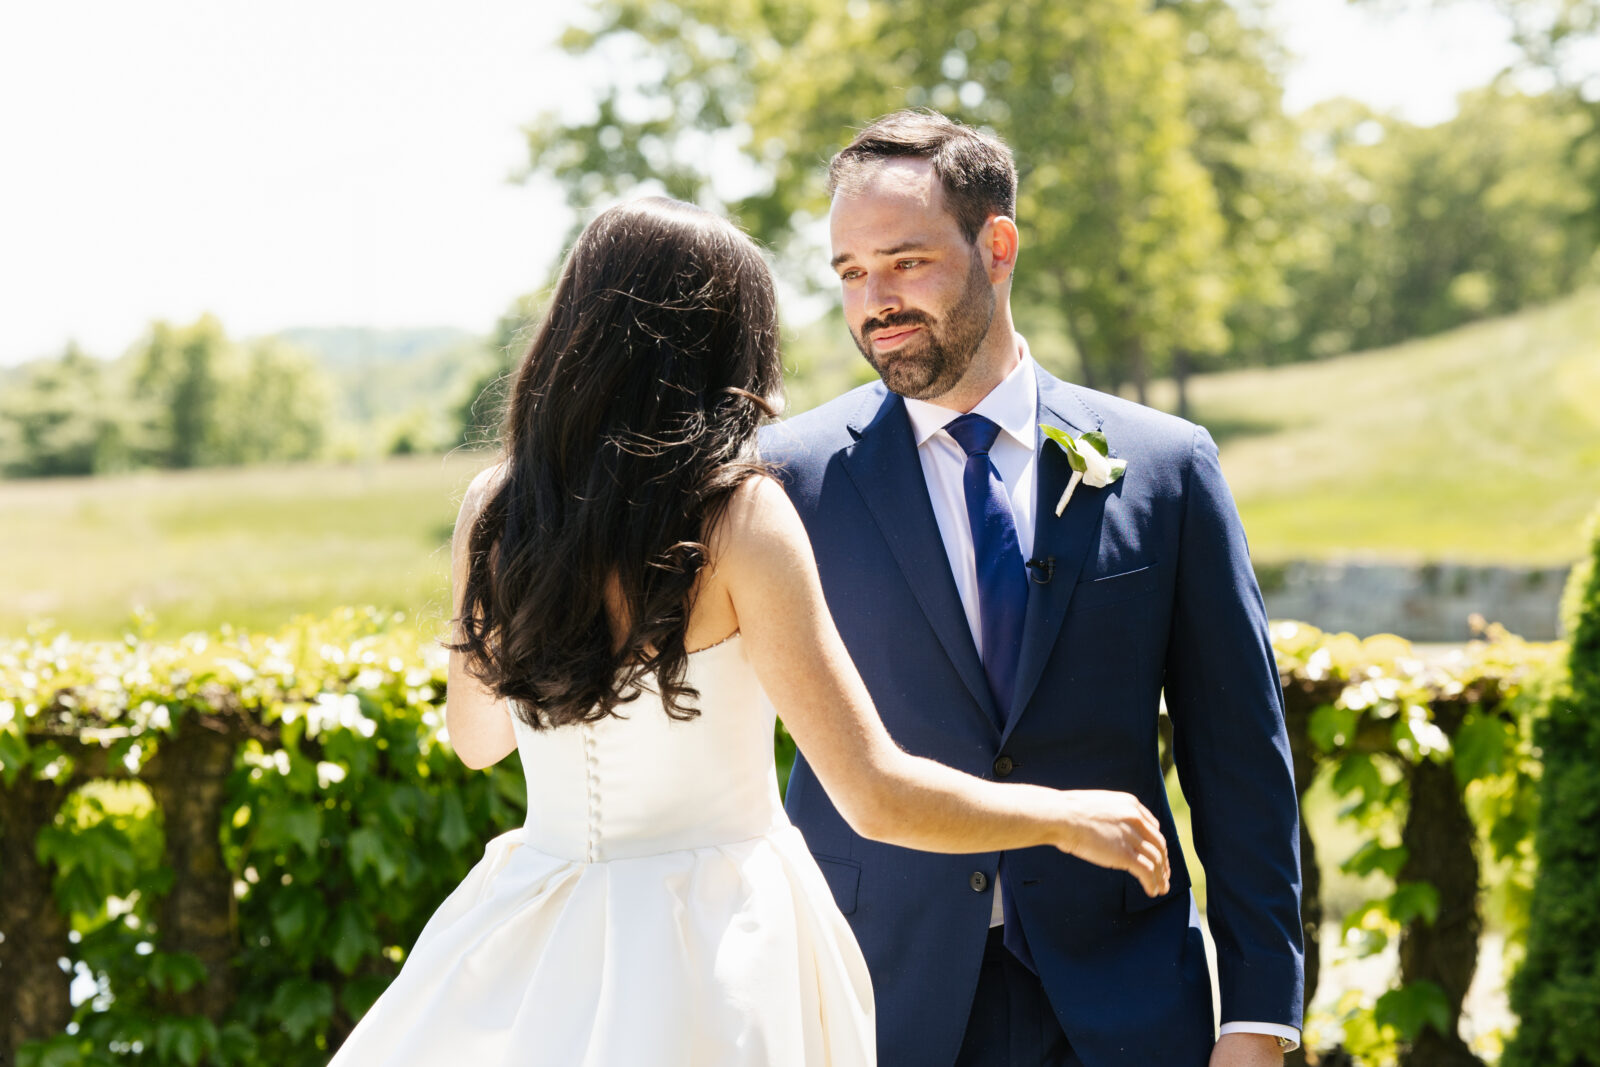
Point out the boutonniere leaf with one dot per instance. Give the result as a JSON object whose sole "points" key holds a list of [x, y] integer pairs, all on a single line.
{"points": [[1090, 456]]}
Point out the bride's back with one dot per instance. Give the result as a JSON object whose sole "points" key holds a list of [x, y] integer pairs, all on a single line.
{"points": [[643, 782]]}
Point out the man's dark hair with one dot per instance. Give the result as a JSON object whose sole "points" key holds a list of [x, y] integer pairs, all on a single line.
{"points": [[975, 168]]}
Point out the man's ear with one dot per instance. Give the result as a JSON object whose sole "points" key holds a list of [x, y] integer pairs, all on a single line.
{"points": [[997, 244]]}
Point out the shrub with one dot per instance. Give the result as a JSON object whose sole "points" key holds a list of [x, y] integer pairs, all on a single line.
{"points": [[1557, 991]]}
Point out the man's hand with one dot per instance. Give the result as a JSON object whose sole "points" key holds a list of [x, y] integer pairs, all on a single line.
{"points": [[1246, 1050]]}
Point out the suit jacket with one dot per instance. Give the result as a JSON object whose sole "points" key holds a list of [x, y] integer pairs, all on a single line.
{"points": [[1151, 591]]}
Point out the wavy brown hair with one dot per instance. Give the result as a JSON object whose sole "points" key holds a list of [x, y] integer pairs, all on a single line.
{"points": [[631, 420]]}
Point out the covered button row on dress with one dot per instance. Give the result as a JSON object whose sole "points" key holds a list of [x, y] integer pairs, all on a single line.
{"points": [[591, 777]]}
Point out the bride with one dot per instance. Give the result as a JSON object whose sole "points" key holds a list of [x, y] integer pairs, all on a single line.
{"points": [[628, 581]]}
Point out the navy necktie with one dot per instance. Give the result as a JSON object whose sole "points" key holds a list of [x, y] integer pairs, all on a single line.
{"points": [[1002, 602], [1002, 579]]}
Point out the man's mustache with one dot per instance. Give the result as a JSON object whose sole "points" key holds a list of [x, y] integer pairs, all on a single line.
{"points": [[895, 321]]}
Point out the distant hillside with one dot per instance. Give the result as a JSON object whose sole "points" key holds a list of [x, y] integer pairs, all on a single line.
{"points": [[1481, 444], [394, 383], [352, 346]]}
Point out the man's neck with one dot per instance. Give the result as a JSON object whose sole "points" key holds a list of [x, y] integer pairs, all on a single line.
{"points": [[996, 357]]}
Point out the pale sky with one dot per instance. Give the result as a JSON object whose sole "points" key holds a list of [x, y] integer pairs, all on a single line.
{"points": [[345, 162]]}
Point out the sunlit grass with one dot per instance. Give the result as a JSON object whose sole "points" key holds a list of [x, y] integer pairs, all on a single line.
{"points": [[253, 547], [1478, 445]]}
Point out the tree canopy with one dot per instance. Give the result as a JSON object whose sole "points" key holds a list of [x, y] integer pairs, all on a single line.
{"points": [[1173, 216]]}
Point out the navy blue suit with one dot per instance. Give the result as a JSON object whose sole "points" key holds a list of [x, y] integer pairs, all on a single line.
{"points": [[1151, 590]]}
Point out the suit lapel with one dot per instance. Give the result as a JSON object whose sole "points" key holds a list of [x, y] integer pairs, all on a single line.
{"points": [[1067, 539], [886, 471]]}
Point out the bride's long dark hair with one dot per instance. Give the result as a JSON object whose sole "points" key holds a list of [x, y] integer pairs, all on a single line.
{"points": [[632, 419]]}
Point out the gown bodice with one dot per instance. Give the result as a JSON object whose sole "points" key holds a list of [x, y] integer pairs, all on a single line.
{"points": [[646, 783]]}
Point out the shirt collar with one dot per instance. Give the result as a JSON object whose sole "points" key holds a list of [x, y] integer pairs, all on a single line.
{"points": [[1013, 405]]}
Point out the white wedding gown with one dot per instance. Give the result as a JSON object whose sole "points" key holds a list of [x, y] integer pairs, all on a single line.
{"points": [[656, 909]]}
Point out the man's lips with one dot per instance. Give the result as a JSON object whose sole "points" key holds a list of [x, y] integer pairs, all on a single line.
{"points": [[891, 337]]}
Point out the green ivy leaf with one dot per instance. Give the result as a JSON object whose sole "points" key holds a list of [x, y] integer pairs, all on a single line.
{"points": [[63, 1050], [510, 783], [297, 914], [351, 749], [184, 1040], [238, 1044], [1332, 727], [1480, 747], [351, 938], [13, 753], [1412, 1007], [1373, 856], [1357, 771], [298, 824], [1413, 900], [1515, 822], [360, 993], [1098, 440], [303, 1006], [177, 972], [454, 831], [404, 804], [370, 850]]}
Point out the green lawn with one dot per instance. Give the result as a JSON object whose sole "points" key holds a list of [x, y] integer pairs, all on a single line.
{"points": [[253, 546], [1479, 445]]}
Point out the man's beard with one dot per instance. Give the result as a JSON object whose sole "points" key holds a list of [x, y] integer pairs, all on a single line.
{"points": [[930, 366]]}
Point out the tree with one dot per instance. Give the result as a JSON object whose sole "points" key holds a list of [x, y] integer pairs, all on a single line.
{"points": [[61, 419], [278, 408], [1426, 228], [178, 380], [206, 401], [1557, 991], [482, 405], [738, 106]]}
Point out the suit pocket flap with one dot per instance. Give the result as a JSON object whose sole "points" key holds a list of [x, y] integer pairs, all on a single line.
{"points": [[844, 878], [1115, 587]]}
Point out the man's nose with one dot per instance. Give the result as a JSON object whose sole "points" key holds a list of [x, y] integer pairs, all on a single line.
{"points": [[883, 297]]}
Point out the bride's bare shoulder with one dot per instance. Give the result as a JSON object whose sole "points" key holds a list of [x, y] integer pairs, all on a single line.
{"points": [[760, 526], [482, 487]]}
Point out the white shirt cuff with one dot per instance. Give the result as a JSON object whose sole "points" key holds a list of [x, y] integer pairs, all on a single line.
{"points": [[1270, 1029]]}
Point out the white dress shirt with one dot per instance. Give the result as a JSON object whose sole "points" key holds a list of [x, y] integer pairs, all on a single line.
{"points": [[1013, 405]]}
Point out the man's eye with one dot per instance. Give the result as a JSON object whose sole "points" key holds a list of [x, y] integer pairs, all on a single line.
{"points": [[849, 275], [907, 264]]}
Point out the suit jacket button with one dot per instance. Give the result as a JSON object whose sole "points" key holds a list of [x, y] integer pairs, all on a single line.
{"points": [[979, 881], [1003, 767]]}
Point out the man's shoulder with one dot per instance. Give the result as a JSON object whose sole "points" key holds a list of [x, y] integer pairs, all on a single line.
{"points": [[1127, 423], [824, 429]]}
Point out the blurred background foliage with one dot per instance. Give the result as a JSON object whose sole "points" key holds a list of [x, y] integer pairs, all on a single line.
{"points": [[1176, 220], [1390, 328]]}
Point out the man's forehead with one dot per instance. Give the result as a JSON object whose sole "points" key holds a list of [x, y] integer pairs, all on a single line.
{"points": [[888, 200], [907, 179]]}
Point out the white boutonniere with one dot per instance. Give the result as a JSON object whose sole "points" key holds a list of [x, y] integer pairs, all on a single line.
{"points": [[1090, 456]]}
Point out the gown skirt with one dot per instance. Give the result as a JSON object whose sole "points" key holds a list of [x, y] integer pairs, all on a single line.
{"points": [[657, 908]]}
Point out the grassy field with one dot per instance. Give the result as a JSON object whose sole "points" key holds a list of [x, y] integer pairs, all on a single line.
{"points": [[253, 547], [1478, 445]]}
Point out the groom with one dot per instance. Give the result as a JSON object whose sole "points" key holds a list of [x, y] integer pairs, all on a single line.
{"points": [[1010, 638]]}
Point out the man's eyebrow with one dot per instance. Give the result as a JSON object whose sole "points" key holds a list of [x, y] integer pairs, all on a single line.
{"points": [[914, 245]]}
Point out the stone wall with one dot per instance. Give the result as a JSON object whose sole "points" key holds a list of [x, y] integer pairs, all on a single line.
{"points": [[1429, 602]]}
